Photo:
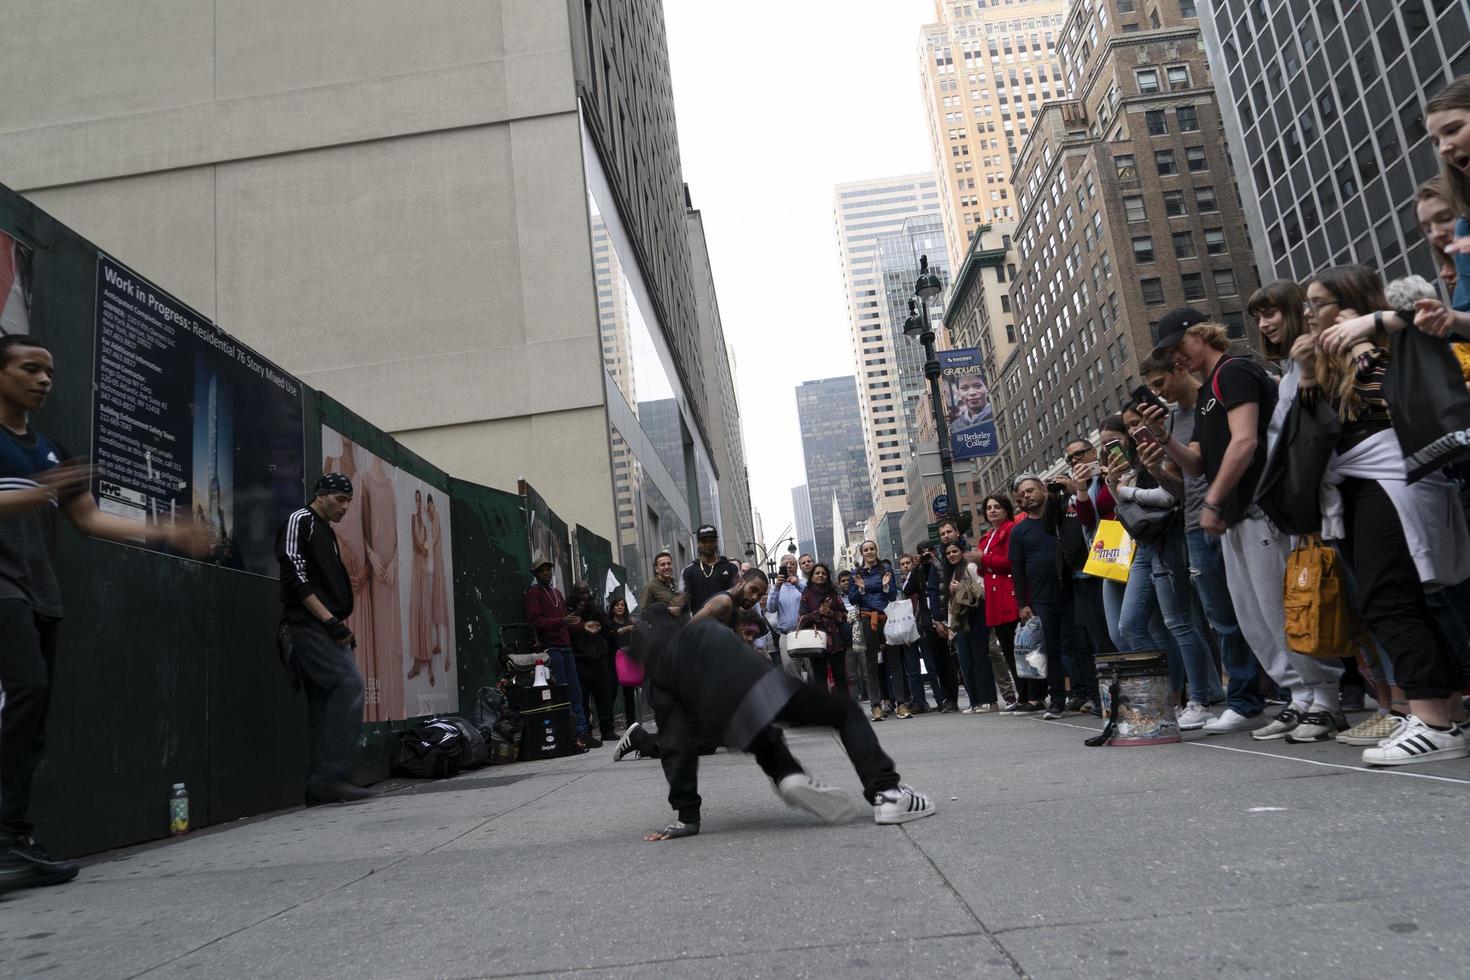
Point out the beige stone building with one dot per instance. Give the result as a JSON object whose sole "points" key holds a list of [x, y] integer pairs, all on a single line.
{"points": [[987, 68], [465, 221]]}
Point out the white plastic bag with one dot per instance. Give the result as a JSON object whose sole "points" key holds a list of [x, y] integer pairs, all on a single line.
{"points": [[1030, 650], [901, 628]]}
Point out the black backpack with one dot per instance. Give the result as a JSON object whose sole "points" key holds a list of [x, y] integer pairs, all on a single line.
{"points": [[432, 750]]}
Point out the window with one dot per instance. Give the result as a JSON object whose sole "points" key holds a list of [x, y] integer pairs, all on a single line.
{"points": [[1148, 80], [1164, 161], [1157, 124], [1234, 324], [1194, 285], [1143, 249], [1187, 8], [1215, 241], [1173, 203], [1195, 155], [1184, 245], [1178, 76], [1188, 119], [1153, 295], [1127, 167], [1133, 208], [1204, 199], [1225, 282]]}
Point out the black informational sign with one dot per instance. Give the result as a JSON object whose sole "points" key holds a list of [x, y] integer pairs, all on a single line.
{"points": [[189, 422]]}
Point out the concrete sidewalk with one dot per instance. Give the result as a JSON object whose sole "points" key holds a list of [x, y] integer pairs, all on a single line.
{"points": [[1219, 857]]}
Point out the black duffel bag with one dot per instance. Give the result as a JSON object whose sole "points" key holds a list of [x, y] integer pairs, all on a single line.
{"points": [[1428, 402], [431, 750]]}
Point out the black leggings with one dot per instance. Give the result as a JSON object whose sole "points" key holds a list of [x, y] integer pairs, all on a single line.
{"points": [[836, 660], [1391, 597], [27, 661]]}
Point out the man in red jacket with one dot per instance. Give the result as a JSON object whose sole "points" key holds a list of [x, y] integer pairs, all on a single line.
{"points": [[546, 611]]}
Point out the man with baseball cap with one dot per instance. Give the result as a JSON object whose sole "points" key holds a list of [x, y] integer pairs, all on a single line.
{"points": [[546, 611], [711, 572], [315, 643]]}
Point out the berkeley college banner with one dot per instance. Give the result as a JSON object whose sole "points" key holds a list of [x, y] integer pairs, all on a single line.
{"points": [[967, 406]]}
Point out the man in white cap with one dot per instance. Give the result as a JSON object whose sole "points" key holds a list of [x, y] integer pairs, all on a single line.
{"points": [[315, 643]]}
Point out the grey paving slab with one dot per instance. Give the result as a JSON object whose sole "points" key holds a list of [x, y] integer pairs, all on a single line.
{"points": [[1046, 859]]}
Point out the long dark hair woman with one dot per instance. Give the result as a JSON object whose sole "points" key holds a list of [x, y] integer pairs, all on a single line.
{"points": [[822, 609], [1401, 539], [620, 629], [1002, 611]]}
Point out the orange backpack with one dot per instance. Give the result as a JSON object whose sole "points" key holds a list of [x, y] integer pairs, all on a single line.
{"points": [[1318, 618]]}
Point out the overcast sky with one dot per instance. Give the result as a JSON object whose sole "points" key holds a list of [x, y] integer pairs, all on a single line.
{"points": [[776, 103]]}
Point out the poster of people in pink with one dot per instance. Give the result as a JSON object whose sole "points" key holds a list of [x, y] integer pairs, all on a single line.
{"points": [[395, 544]]}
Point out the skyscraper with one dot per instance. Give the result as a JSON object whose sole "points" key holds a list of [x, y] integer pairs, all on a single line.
{"points": [[987, 69], [832, 451], [898, 267], [865, 212], [1327, 130], [801, 505]]}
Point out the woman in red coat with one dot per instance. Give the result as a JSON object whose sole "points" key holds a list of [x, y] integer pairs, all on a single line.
{"points": [[1001, 608]]}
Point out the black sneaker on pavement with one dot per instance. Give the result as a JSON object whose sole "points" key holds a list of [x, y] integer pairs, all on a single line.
{"points": [[26, 864], [625, 744], [1055, 710], [592, 741]]}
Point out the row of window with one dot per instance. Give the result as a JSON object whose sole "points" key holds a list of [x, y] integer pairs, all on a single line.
{"points": [[1183, 242], [1204, 202], [1166, 163], [1193, 284]]}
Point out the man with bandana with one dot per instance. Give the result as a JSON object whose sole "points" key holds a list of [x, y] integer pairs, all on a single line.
{"points": [[315, 643]]}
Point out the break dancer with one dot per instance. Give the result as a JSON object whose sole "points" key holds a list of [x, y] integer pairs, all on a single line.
{"points": [[702, 677]]}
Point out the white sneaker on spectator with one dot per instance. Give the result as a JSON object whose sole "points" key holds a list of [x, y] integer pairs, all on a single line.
{"points": [[1194, 716], [1416, 742], [1279, 726], [1229, 721]]}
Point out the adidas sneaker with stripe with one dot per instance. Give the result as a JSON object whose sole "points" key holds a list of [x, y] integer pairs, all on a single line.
{"points": [[901, 805], [1415, 742]]}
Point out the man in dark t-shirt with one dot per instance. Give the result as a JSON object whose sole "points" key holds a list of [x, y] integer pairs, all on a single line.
{"points": [[1234, 381], [710, 573], [38, 479]]}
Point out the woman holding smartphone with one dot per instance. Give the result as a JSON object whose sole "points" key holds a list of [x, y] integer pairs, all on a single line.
{"points": [[1158, 602]]}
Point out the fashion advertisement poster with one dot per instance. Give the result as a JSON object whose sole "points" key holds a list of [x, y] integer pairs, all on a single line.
{"points": [[547, 535], [189, 422], [15, 286], [395, 544], [967, 406]]}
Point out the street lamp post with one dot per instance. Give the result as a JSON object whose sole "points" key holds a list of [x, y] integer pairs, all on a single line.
{"points": [[765, 554], [918, 325]]}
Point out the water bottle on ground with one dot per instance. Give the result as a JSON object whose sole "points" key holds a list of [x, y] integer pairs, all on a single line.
{"points": [[178, 811]]}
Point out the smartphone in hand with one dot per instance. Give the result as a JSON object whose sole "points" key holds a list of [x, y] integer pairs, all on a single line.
{"points": [[1144, 395]]}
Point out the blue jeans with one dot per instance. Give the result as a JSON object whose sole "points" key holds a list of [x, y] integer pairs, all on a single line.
{"points": [[564, 671], [1158, 594], [1207, 568], [912, 673], [972, 647]]}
